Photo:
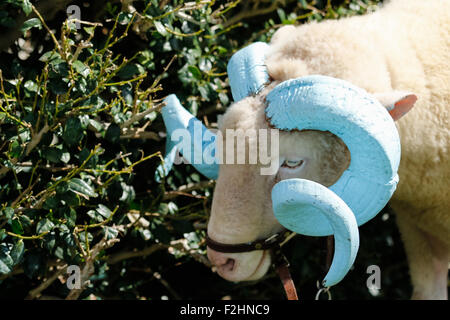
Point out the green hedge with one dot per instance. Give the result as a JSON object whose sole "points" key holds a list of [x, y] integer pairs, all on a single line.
{"points": [[81, 137]]}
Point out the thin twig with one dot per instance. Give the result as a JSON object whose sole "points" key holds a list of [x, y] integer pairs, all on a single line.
{"points": [[52, 35], [36, 292], [182, 190], [124, 255], [139, 116], [251, 12]]}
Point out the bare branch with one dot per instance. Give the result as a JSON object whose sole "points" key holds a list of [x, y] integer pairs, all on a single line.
{"points": [[36, 139], [252, 12], [140, 133], [183, 190], [36, 292], [124, 255]]}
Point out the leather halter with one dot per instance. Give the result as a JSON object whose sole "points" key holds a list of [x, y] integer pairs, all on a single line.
{"points": [[264, 244], [280, 262]]}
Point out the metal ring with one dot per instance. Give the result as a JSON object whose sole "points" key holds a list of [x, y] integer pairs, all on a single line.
{"points": [[322, 289]]}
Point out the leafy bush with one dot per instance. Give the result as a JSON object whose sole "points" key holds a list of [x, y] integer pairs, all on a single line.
{"points": [[80, 140]]}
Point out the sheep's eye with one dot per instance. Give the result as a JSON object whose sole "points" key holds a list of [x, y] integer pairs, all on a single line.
{"points": [[292, 163]]}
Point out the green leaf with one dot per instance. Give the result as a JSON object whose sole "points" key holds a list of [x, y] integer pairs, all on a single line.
{"points": [[52, 154], [8, 212], [81, 68], [80, 187], [104, 211], [204, 92], [32, 23], [97, 125], [110, 233], [51, 203], [25, 221], [58, 68], [44, 225], [59, 253], [113, 133], [58, 85], [73, 132], [15, 149], [71, 199], [163, 208], [6, 262], [124, 17], [50, 241], [128, 193], [16, 227], [31, 86], [195, 72], [281, 14], [17, 251], [83, 237], [4, 268], [95, 215], [130, 70], [89, 30], [3, 234], [160, 28], [172, 207], [26, 7], [49, 56], [71, 216], [65, 157], [84, 154], [224, 99]]}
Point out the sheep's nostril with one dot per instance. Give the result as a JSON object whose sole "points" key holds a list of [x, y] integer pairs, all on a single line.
{"points": [[222, 261], [228, 265]]}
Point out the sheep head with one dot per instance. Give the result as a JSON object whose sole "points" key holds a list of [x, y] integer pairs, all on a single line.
{"points": [[337, 157]]}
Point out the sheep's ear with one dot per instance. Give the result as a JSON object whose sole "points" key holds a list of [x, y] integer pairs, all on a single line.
{"points": [[398, 103]]}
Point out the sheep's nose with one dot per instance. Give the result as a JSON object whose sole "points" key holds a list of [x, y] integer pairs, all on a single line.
{"points": [[222, 261]]}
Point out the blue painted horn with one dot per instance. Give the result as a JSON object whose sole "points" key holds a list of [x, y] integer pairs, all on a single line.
{"points": [[246, 70], [178, 121], [365, 126]]}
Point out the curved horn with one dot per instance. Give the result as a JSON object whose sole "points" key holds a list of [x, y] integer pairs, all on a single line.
{"points": [[292, 201], [200, 139], [247, 72], [365, 126]]}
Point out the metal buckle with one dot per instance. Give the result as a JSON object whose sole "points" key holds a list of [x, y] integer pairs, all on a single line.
{"points": [[272, 239]]}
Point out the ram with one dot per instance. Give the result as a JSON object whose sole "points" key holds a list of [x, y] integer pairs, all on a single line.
{"points": [[332, 90]]}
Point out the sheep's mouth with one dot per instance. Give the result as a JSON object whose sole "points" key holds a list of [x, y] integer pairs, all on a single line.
{"points": [[254, 275]]}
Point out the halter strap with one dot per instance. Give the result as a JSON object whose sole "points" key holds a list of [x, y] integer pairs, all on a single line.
{"points": [[263, 244], [281, 265]]}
